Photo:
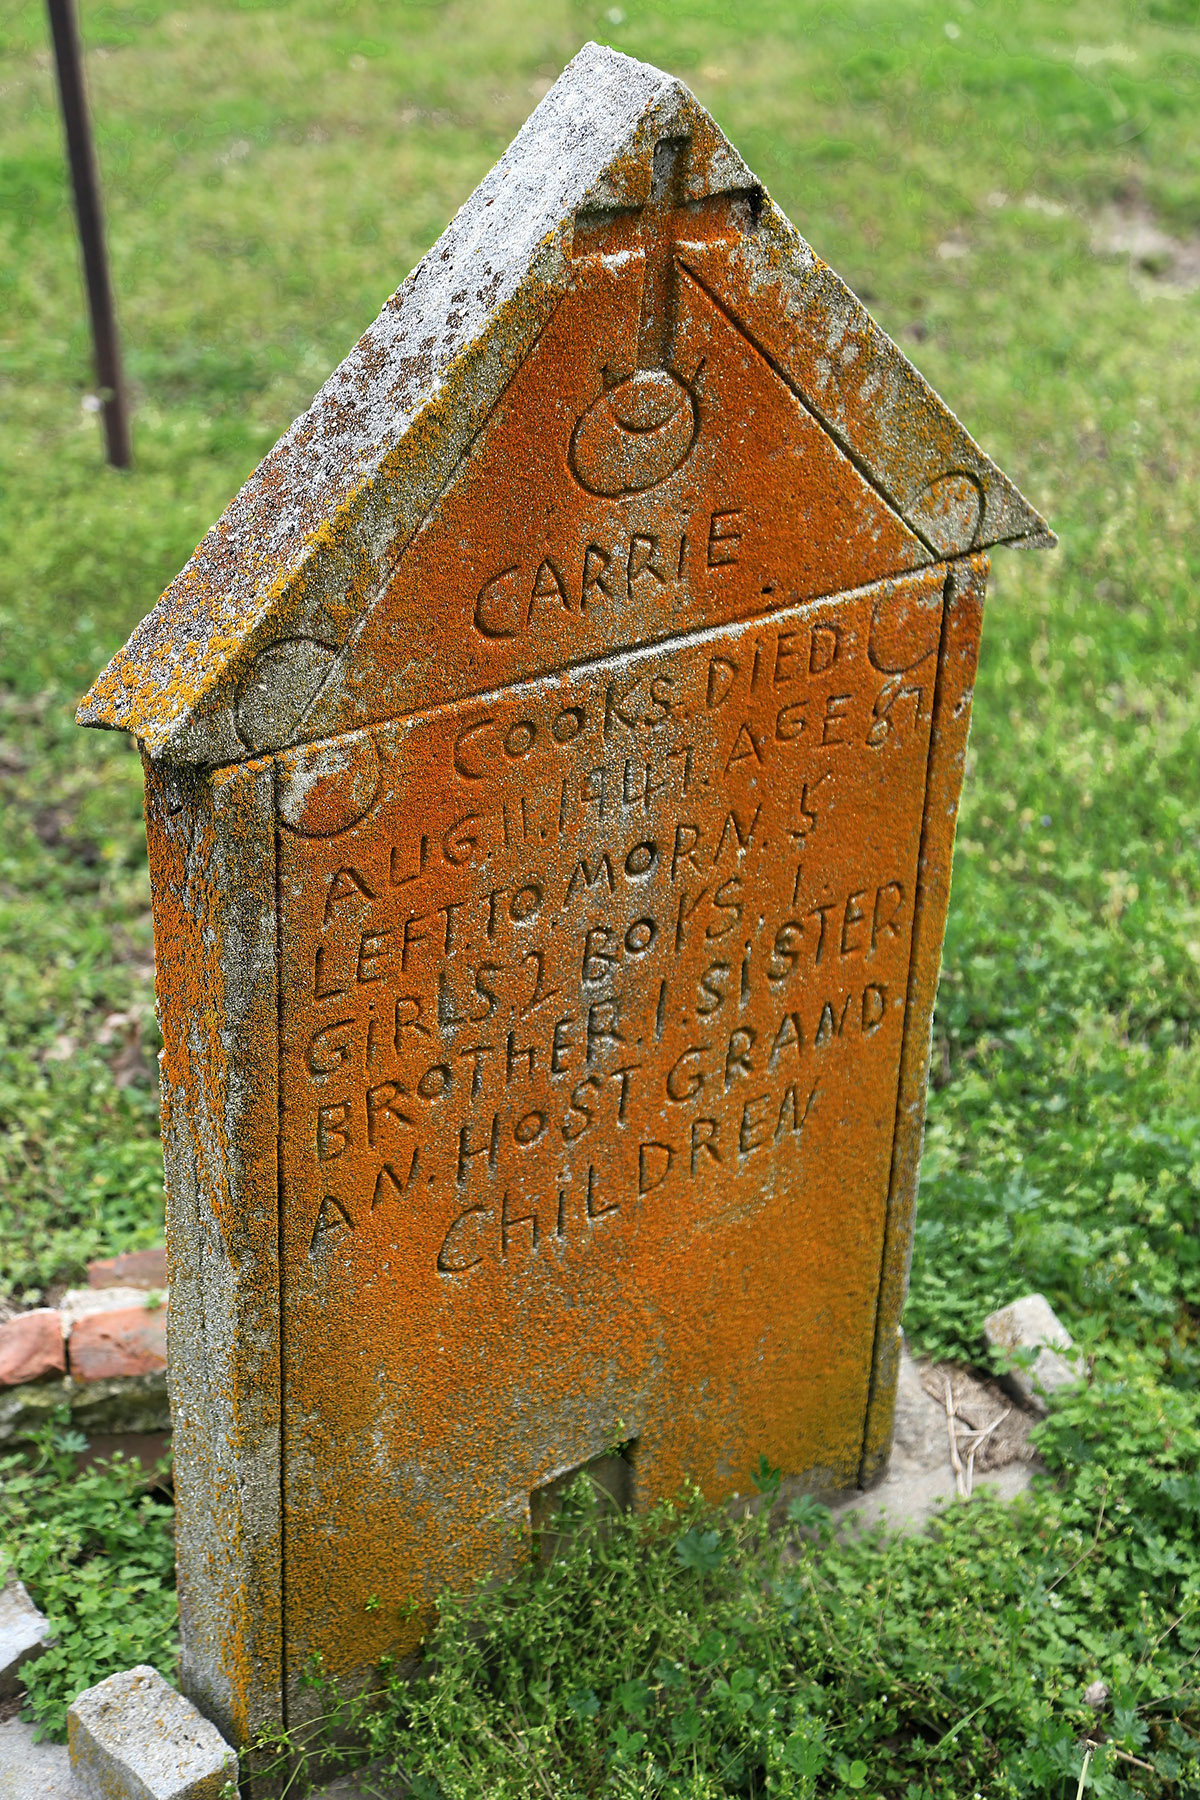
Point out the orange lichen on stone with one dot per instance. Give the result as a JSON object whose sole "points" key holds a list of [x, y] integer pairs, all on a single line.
{"points": [[593, 1002]]}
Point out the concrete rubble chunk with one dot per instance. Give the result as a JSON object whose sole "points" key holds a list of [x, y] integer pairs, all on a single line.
{"points": [[24, 1633], [81, 1303], [132, 1737], [1031, 1324]]}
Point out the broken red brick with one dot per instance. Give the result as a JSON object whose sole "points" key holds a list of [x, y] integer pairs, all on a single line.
{"points": [[137, 1268], [129, 1340], [31, 1345]]}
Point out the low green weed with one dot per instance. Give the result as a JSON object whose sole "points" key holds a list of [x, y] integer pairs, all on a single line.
{"points": [[693, 1656], [96, 1550]]}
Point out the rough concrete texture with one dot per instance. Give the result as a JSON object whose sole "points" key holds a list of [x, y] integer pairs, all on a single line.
{"points": [[552, 764], [213, 858], [133, 1737], [1031, 1324], [31, 1345], [24, 1632], [30, 1771]]}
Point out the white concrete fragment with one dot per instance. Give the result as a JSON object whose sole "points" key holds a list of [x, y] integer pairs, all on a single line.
{"points": [[81, 1303], [133, 1737], [1031, 1324], [23, 1633]]}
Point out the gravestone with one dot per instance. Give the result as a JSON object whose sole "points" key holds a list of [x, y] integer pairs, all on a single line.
{"points": [[552, 758]]}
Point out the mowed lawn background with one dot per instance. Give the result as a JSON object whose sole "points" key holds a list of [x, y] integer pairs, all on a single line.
{"points": [[1014, 190]]}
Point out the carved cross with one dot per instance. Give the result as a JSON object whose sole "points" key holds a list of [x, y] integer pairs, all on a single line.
{"points": [[660, 229]]}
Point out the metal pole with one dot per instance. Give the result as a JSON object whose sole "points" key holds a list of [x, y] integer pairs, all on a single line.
{"points": [[85, 181]]}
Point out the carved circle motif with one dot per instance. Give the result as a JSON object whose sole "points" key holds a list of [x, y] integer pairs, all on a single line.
{"points": [[278, 688], [635, 435], [949, 511], [326, 788]]}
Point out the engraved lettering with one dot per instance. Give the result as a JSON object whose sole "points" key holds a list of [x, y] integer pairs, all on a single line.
{"points": [[594, 1211], [409, 1013], [705, 1134], [589, 1086], [722, 673], [395, 879], [583, 874], [373, 954], [333, 1130], [390, 1186], [465, 760], [642, 546], [497, 606], [737, 1056], [683, 1082], [548, 583], [329, 1048], [346, 886], [889, 903], [724, 537], [596, 564], [509, 1221], [752, 1124], [320, 990], [469, 1152], [379, 1107], [836, 708], [654, 1165], [825, 648], [331, 1217], [455, 1256], [747, 743]]}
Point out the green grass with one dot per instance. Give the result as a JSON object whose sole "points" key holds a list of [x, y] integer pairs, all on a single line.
{"points": [[271, 172], [97, 1549], [693, 1658]]}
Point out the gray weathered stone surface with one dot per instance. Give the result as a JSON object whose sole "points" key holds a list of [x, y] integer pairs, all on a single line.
{"points": [[30, 1771], [1031, 1324], [24, 1632], [136, 1403], [920, 1478], [133, 1737]]}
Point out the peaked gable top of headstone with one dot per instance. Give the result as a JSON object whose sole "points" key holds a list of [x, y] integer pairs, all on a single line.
{"points": [[262, 623]]}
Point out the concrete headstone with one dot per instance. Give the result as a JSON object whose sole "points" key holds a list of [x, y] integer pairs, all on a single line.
{"points": [[552, 759]]}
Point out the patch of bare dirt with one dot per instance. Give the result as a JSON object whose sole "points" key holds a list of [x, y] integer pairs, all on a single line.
{"points": [[989, 1429], [1130, 229]]}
